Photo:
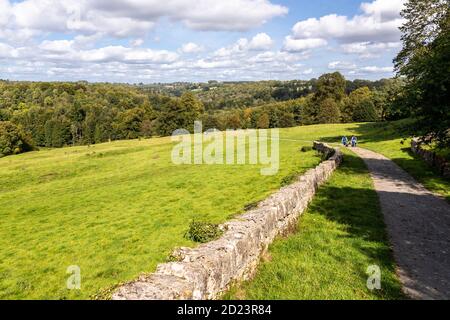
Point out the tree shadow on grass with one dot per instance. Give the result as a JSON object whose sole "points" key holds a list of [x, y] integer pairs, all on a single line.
{"points": [[357, 209], [375, 132]]}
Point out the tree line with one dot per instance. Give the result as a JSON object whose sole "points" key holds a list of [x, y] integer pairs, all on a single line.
{"points": [[64, 114]]}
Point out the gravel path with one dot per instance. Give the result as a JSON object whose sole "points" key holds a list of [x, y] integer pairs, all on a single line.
{"points": [[418, 224]]}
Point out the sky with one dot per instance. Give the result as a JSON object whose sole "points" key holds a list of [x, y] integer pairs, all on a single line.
{"points": [[152, 41]]}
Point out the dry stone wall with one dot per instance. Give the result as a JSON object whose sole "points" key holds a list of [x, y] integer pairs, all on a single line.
{"points": [[434, 160], [208, 270]]}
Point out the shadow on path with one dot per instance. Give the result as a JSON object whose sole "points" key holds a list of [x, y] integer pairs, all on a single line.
{"points": [[418, 224]]}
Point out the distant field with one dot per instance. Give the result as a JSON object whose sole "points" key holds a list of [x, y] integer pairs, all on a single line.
{"points": [[118, 209]]}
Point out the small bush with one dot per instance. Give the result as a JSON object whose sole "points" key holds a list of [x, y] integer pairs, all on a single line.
{"points": [[203, 231], [306, 148]]}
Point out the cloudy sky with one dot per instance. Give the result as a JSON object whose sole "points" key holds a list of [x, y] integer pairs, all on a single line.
{"points": [[197, 40]]}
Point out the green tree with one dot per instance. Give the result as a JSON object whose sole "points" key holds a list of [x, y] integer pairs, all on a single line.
{"points": [[324, 106], [13, 139], [365, 111], [330, 85], [173, 117], [57, 132], [309, 111], [192, 109], [328, 111], [360, 106], [425, 63]]}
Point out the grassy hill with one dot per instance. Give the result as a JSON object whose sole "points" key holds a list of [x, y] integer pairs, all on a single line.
{"points": [[118, 209]]}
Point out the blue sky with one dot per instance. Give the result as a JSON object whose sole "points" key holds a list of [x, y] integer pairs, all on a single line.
{"points": [[184, 40]]}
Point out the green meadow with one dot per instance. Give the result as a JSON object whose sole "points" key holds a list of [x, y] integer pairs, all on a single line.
{"points": [[118, 209]]}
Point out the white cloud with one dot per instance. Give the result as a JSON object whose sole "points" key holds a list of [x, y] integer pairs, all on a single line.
{"points": [[261, 41], [5, 12], [384, 9], [379, 22], [191, 47], [57, 45], [278, 57], [236, 15], [6, 51], [341, 65], [375, 69], [307, 71], [87, 48], [353, 69], [297, 45], [238, 47], [369, 49], [68, 51], [137, 42], [120, 18]]}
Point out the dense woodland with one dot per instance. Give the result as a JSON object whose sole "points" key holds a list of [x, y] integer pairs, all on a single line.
{"points": [[63, 114]]}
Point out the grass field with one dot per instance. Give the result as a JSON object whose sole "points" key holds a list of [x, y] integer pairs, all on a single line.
{"points": [[115, 210], [118, 209]]}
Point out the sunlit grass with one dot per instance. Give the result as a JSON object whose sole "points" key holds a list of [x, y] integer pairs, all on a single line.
{"points": [[118, 209], [115, 209]]}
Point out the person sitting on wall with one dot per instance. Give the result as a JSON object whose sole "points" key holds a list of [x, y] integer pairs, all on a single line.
{"points": [[354, 141], [344, 141]]}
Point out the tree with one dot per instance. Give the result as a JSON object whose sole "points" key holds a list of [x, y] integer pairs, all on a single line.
{"points": [[57, 132], [330, 85], [131, 123], [389, 100], [234, 120], [263, 121], [192, 109], [360, 106], [309, 111], [173, 117], [13, 139], [425, 63], [365, 111], [328, 111], [146, 128], [324, 105]]}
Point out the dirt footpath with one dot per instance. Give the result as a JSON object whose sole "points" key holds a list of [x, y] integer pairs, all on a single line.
{"points": [[418, 224]]}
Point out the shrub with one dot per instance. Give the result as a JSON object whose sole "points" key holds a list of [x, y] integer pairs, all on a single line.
{"points": [[203, 231], [13, 140]]}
